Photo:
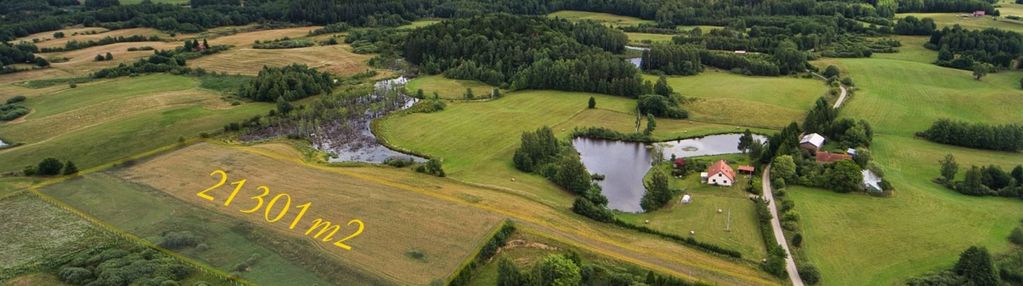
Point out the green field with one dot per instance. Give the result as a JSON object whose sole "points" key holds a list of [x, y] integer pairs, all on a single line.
{"points": [[36, 232], [108, 120], [851, 237], [701, 214], [148, 213], [447, 88], [765, 102], [128, 2], [476, 140], [608, 19], [969, 22], [421, 23]]}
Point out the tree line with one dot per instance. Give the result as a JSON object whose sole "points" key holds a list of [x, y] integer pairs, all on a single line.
{"points": [[989, 180], [1007, 137], [571, 269]]}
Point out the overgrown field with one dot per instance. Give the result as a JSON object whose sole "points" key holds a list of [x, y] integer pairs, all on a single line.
{"points": [[765, 102], [35, 231], [107, 120], [397, 222], [852, 238], [735, 227]]}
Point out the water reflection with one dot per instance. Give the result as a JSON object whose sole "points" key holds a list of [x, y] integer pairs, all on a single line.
{"points": [[625, 163]]}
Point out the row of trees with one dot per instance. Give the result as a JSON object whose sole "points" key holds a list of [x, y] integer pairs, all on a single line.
{"points": [[1008, 137], [289, 83], [672, 59], [51, 167]]}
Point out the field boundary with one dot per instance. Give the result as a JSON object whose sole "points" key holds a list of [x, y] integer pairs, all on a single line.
{"points": [[470, 264]]}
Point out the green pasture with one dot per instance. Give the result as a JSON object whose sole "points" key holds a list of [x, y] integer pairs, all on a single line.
{"points": [[765, 102], [448, 88], [608, 19], [648, 38], [857, 239], [977, 23]]}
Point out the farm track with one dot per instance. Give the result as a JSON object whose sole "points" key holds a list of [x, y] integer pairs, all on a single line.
{"points": [[779, 234]]}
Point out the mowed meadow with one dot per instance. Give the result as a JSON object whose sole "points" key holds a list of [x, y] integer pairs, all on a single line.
{"points": [[397, 222], [108, 120], [862, 240]]}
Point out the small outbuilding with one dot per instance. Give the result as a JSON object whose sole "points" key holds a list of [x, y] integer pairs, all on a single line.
{"points": [[679, 163], [720, 174], [811, 142], [686, 199], [979, 13], [745, 169]]}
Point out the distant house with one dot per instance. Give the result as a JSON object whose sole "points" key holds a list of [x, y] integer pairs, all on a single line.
{"points": [[811, 142], [679, 163], [744, 169], [741, 52], [979, 13], [720, 174], [851, 151], [825, 157]]}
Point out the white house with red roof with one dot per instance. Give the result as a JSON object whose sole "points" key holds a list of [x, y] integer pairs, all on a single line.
{"points": [[720, 174]]}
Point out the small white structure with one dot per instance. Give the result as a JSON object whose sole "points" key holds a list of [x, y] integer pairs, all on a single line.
{"points": [[686, 199], [871, 181], [741, 52], [703, 177], [720, 174], [812, 142], [851, 151]]}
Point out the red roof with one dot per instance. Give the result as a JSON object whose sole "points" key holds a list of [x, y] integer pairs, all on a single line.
{"points": [[721, 167], [745, 168], [680, 161], [828, 157]]}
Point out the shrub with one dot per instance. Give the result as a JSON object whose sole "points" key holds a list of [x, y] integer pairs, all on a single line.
{"points": [[49, 167], [179, 239], [75, 275], [1016, 236], [398, 162], [16, 99], [70, 168], [809, 273]]}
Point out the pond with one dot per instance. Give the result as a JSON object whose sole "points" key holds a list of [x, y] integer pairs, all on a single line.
{"points": [[638, 62], [363, 145], [624, 164]]}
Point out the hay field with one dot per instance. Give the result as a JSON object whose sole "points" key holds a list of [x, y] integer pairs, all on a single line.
{"points": [[247, 39], [336, 59], [397, 221], [447, 88], [82, 62], [68, 31], [977, 23], [54, 42], [103, 121]]}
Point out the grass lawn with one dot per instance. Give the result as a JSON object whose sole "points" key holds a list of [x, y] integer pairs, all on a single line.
{"points": [[852, 237], [396, 221], [608, 19], [978, 23], [701, 214], [765, 102], [107, 120], [447, 88]]}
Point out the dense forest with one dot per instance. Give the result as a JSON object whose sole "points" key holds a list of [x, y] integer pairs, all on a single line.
{"points": [[287, 83], [526, 52], [962, 48]]}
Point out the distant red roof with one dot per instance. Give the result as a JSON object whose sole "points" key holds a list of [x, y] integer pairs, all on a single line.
{"points": [[747, 169], [721, 167], [680, 162], [828, 157]]}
